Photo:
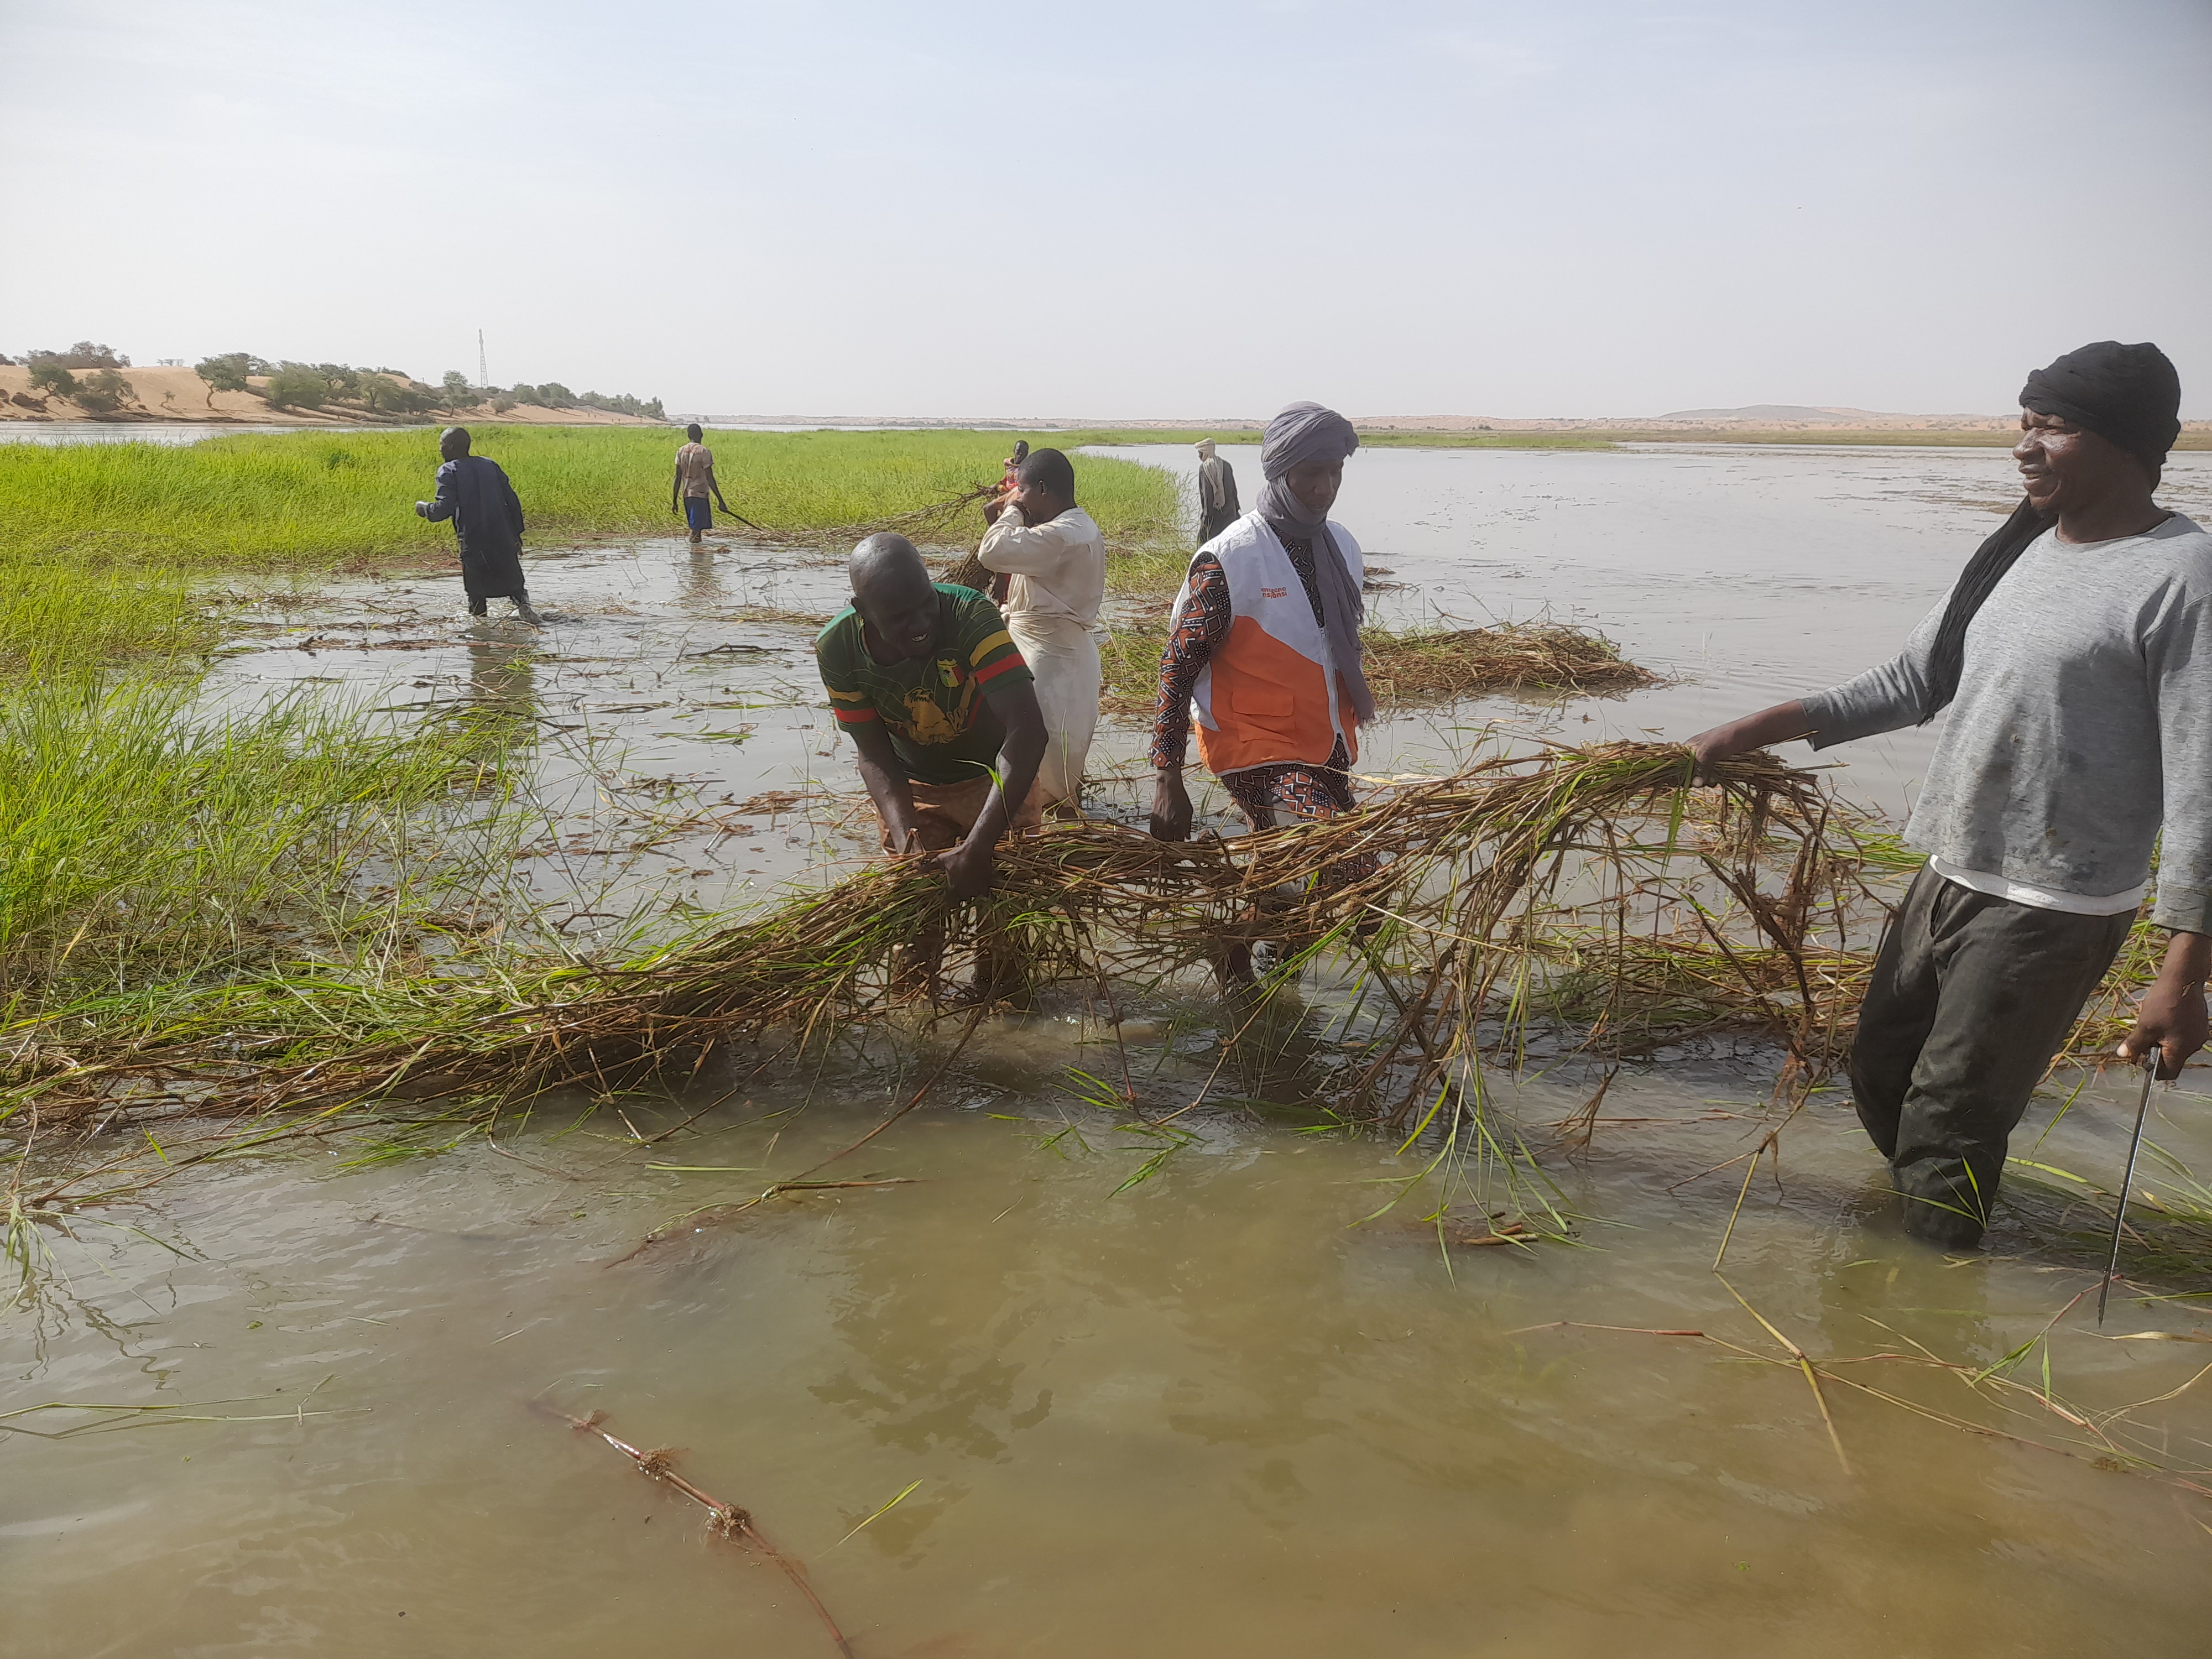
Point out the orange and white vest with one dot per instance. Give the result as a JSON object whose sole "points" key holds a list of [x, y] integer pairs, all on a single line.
{"points": [[1271, 692]]}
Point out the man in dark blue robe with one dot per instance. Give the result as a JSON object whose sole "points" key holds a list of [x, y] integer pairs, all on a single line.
{"points": [[475, 494]]}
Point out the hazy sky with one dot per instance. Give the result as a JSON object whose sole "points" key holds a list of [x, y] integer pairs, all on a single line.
{"points": [[1124, 209]]}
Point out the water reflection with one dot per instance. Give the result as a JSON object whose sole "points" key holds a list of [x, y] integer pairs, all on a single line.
{"points": [[927, 1366], [702, 584], [498, 713]]}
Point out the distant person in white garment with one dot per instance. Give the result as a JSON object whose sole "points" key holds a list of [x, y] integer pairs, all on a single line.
{"points": [[1055, 563]]}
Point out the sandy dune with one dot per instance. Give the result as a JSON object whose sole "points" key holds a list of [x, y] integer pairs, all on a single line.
{"points": [[179, 394]]}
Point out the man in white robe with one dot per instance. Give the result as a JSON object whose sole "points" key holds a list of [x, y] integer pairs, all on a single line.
{"points": [[1055, 561]]}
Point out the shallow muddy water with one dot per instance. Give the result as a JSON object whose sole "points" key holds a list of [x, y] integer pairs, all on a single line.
{"points": [[1239, 1405]]}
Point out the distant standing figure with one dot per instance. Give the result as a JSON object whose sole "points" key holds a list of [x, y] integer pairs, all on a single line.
{"points": [[1052, 560], [1217, 494], [695, 480], [1010, 479], [487, 516]]}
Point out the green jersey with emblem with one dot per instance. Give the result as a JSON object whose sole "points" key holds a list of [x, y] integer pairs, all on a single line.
{"points": [[934, 706]]}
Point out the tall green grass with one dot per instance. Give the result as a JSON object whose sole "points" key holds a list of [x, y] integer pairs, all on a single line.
{"points": [[321, 499], [146, 841], [58, 619]]}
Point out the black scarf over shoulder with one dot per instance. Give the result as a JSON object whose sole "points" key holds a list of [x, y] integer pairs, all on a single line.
{"points": [[1976, 583]]}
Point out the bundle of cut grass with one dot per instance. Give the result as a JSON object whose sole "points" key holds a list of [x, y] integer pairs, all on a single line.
{"points": [[1454, 896], [1416, 667], [969, 571], [1442, 664]]}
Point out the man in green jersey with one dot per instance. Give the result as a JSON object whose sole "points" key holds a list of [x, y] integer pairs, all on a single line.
{"points": [[941, 707]]}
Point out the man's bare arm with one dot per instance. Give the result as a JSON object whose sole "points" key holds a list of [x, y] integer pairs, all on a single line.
{"points": [[1769, 727], [886, 783], [970, 863]]}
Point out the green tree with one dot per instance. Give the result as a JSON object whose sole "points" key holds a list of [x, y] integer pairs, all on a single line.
{"points": [[390, 392], [48, 376], [296, 386], [227, 372], [85, 354], [103, 392], [379, 393], [457, 394]]}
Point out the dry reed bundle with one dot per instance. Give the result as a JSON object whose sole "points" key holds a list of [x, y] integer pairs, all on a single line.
{"points": [[1441, 664], [969, 571], [1511, 895], [1417, 666]]}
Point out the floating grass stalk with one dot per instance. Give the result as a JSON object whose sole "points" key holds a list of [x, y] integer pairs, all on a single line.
{"points": [[2115, 1442], [723, 1520]]}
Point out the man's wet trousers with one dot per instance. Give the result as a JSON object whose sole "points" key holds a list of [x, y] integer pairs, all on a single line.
{"points": [[1972, 996]]}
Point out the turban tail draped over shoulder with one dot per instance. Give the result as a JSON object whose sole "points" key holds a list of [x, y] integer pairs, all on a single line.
{"points": [[1301, 436], [2128, 395]]}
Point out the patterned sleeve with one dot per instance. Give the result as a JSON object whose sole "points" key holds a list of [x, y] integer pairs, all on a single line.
{"points": [[1200, 627]]}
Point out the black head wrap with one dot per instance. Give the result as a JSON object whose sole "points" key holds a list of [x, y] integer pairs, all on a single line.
{"points": [[2128, 395]]}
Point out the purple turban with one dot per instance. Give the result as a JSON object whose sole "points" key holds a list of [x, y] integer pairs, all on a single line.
{"points": [[1302, 434]]}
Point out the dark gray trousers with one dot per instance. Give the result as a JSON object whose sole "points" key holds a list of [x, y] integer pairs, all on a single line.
{"points": [[1972, 996]]}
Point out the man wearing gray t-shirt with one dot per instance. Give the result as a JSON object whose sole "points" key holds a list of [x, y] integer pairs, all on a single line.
{"points": [[2075, 655]]}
